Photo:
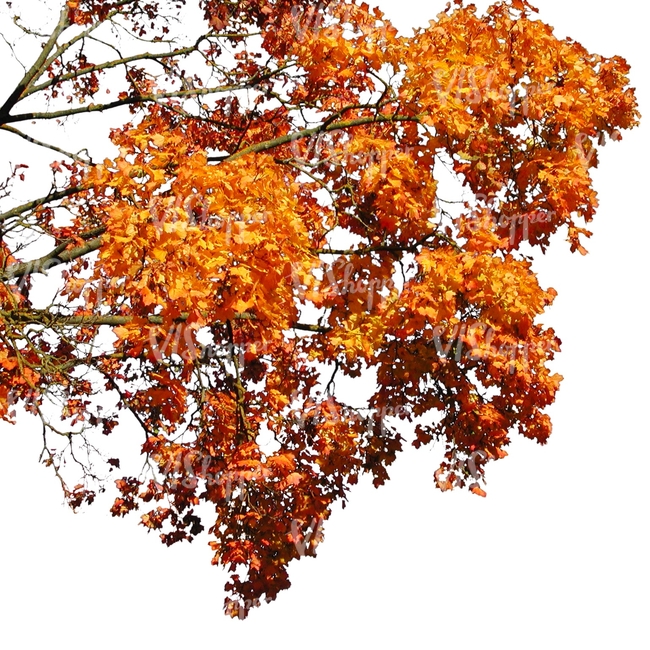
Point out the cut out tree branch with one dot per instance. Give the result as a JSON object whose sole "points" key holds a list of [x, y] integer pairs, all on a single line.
{"points": [[273, 221]]}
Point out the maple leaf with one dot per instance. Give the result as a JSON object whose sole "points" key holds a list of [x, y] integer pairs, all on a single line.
{"points": [[269, 227]]}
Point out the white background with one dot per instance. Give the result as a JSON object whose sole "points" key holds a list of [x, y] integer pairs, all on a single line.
{"points": [[555, 557]]}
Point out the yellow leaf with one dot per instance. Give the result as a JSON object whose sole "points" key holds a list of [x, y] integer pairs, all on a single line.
{"points": [[121, 332]]}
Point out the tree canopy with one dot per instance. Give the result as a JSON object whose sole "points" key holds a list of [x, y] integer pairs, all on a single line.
{"points": [[280, 213]]}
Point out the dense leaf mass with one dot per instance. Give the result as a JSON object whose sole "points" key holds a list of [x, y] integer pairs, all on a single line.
{"points": [[274, 220]]}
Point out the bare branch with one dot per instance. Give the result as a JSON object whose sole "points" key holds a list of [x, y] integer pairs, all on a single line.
{"points": [[146, 56], [40, 143], [143, 99], [31, 205], [36, 70]]}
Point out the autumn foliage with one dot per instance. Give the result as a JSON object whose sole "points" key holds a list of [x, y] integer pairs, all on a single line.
{"points": [[277, 215]]}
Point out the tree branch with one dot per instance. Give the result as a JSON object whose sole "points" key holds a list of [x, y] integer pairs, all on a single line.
{"points": [[135, 99], [111, 64], [54, 258], [39, 143], [31, 205], [410, 248], [49, 319], [141, 99], [321, 128], [36, 70]]}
